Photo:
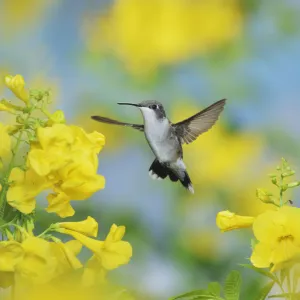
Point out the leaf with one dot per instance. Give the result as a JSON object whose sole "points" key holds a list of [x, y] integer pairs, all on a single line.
{"points": [[263, 293], [295, 296], [232, 285], [214, 288], [189, 295], [260, 271], [210, 297]]}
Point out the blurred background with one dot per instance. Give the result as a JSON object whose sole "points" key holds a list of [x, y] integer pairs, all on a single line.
{"points": [[186, 54]]}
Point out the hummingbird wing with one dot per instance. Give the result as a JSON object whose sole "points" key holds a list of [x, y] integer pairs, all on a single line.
{"points": [[114, 122], [188, 130]]}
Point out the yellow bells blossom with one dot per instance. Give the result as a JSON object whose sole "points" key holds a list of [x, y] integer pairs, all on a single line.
{"points": [[52, 152], [6, 279], [11, 253], [278, 238], [94, 273], [227, 220], [39, 263], [57, 117], [67, 157], [88, 227], [25, 186], [5, 141], [17, 85], [66, 256], [173, 30], [112, 252], [59, 203], [78, 180], [5, 107]]}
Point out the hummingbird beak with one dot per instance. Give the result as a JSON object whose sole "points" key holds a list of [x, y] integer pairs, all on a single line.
{"points": [[132, 104]]}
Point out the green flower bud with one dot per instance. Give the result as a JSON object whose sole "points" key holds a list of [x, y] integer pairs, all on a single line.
{"points": [[264, 195], [57, 118], [293, 184], [274, 181], [289, 173]]}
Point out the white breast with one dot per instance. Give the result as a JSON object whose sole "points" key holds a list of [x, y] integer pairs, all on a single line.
{"points": [[157, 133]]}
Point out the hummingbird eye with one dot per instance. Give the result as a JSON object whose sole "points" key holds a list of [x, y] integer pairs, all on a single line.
{"points": [[154, 106]]}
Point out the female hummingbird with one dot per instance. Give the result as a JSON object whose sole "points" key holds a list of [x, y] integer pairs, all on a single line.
{"points": [[165, 138]]}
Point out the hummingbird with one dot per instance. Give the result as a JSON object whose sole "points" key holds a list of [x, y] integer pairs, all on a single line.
{"points": [[166, 139]]}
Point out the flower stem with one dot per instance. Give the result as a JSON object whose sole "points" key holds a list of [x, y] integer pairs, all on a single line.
{"points": [[289, 286]]}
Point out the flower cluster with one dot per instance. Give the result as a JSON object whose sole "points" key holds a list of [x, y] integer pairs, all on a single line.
{"points": [[169, 28], [277, 236], [63, 159]]}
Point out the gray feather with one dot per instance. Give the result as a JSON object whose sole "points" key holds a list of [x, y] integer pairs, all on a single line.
{"points": [[188, 130], [115, 122]]}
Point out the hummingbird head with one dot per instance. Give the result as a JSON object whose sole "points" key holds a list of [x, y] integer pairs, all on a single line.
{"points": [[150, 109]]}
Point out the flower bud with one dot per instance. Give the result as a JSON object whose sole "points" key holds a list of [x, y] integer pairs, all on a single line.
{"points": [[264, 195], [87, 227], [17, 85], [4, 107], [57, 118], [293, 184], [227, 220], [289, 173], [20, 120], [13, 129]]}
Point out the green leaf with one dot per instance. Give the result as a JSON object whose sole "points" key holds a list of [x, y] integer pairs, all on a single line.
{"points": [[214, 288], [189, 295], [206, 298], [264, 292], [295, 296], [232, 285], [260, 271]]}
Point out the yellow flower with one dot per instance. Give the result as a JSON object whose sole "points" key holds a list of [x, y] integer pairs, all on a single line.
{"points": [[173, 30], [20, 14], [11, 253], [112, 252], [227, 220], [52, 151], [66, 256], [67, 156], [57, 117], [4, 107], [24, 188], [88, 227], [5, 144], [6, 279], [39, 262], [60, 204], [17, 85], [94, 273], [278, 238]]}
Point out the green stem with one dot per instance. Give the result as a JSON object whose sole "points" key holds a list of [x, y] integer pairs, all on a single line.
{"points": [[279, 284], [288, 278], [46, 231], [10, 167]]}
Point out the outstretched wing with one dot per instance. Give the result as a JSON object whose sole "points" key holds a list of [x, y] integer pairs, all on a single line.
{"points": [[188, 130], [114, 122]]}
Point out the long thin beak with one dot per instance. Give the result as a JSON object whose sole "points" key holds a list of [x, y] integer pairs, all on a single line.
{"points": [[132, 104]]}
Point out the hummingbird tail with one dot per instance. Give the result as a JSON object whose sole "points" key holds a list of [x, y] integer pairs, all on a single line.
{"points": [[187, 183], [159, 171]]}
